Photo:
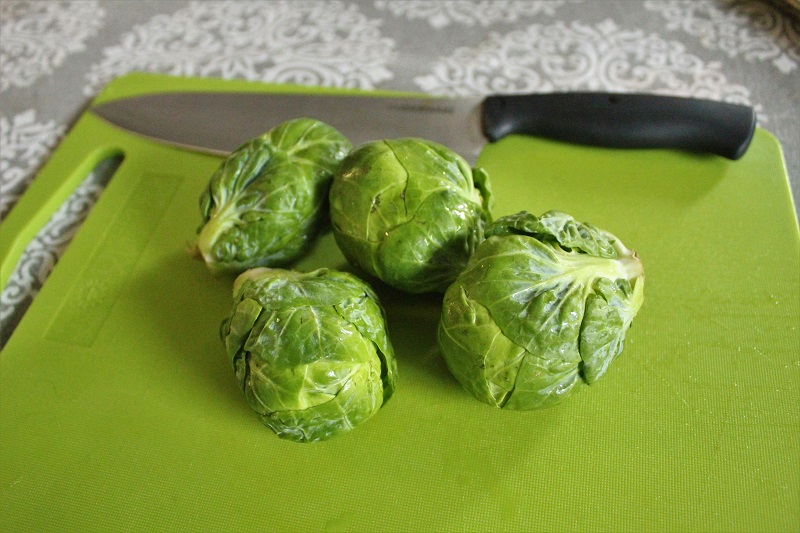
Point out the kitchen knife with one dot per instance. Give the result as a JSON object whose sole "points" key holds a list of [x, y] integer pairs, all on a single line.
{"points": [[218, 122]]}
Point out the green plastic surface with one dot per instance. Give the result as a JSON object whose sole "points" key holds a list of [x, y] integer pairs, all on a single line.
{"points": [[119, 409]]}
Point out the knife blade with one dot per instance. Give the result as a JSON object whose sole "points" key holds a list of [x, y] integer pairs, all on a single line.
{"points": [[219, 122]]}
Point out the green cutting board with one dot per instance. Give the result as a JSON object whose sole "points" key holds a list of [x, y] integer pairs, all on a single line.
{"points": [[119, 409]]}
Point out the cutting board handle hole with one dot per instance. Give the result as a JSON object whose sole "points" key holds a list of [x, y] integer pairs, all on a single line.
{"points": [[43, 250]]}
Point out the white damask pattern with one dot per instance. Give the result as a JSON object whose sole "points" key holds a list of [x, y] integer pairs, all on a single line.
{"points": [[577, 56], [24, 144], [37, 36], [487, 12], [751, 30], [304, 42]]}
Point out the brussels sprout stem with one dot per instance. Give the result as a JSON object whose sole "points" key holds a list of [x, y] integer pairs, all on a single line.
{"points": [[217, 225], [582, 266]]}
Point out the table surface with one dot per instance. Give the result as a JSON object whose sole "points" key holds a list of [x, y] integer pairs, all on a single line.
{"points": [[56, 55]]}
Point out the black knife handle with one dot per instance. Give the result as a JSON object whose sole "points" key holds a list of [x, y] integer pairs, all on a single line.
{"points": [[621, 120]]}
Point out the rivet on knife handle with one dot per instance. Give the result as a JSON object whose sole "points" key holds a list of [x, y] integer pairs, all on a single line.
{"points": [[620, 120]]}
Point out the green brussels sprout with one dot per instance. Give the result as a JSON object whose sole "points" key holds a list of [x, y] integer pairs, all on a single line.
{"points": [[310, 350], [267, 201], [543, 304], [409, 211]]}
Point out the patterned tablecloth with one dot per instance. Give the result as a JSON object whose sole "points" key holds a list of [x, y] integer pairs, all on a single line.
{"points": [[55, 55]]}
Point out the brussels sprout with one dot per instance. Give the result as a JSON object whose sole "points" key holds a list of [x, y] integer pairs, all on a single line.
{"points": [[310, 350], [267, 201], [543, 304], [409, 211]]}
